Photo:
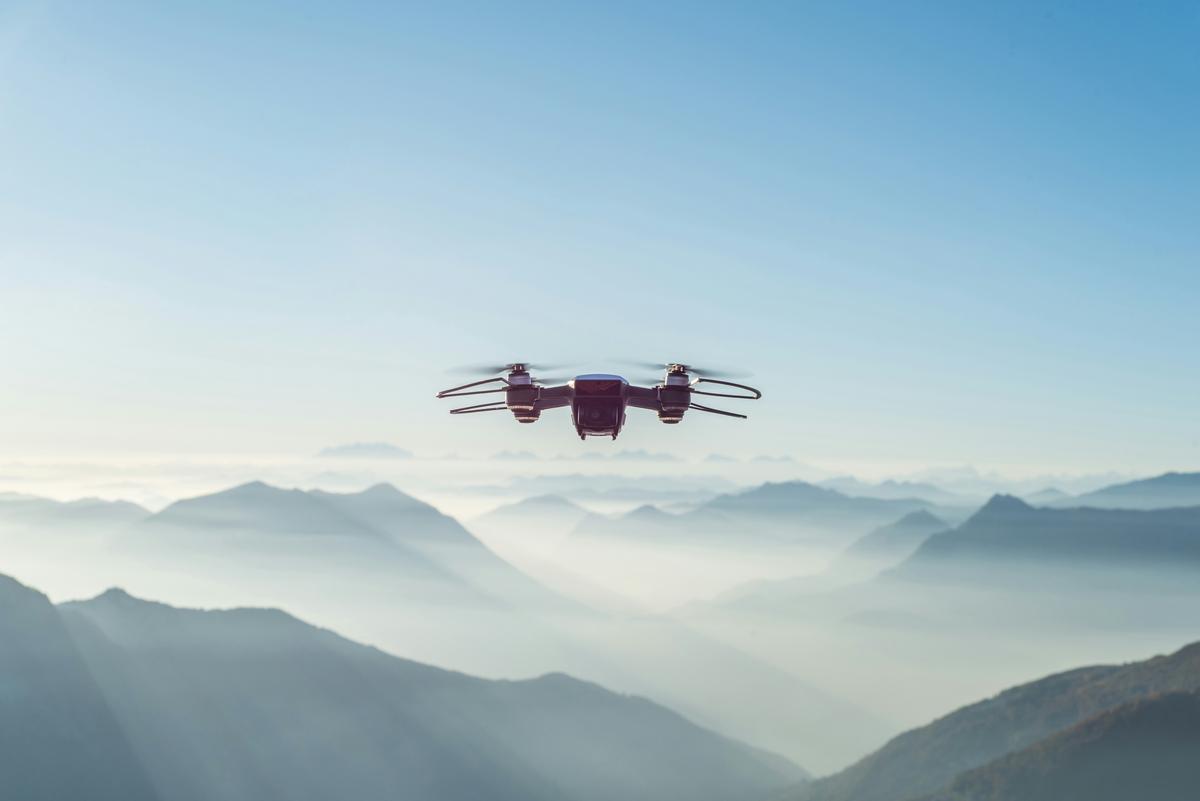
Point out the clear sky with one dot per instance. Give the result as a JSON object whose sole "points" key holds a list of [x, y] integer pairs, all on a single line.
{"points": [[935, 232]]}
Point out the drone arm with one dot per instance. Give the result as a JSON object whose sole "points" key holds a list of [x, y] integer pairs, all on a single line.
{"points": [[710, 410], [642, 398], [494, 406], [455, 392], [754, 393], [554, 397]]}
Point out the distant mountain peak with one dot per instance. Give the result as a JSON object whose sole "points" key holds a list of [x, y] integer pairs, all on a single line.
{"points": [[1004, 504], [253, 488], [384, 489], [793, 488], [548, 500], [250, 492], [921, 517], [383, 495], [114, 595], [116, 598], [646, 511]]}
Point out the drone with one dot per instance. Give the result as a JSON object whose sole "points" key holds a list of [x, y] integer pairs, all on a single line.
{"points": [[598, 400]]}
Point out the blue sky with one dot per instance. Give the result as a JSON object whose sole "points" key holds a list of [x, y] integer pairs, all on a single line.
{"points": [[935, 232]]}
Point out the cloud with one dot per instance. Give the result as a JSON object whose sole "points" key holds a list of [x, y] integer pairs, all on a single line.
{"points": [[719, 457], [365, 450], [635, 455], [776, 459], [515, 456]]}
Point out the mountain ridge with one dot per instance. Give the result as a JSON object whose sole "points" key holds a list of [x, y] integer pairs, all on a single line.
{"points": [[923, 760], [290, 710]]}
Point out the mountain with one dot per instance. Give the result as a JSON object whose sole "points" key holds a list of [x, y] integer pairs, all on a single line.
{"points": [[253, 703], [889, 545], [895, 490], [440, 538], [924, 760], [647, 523], [878, 550], [400, 517], [547, 517], [58, 736], [381, 526], [770, 515], [263, 510], [328, 559], [28, 510], [1008, 531], [799, 512], [1148, 748], [1047, 497], [1161, 492]]}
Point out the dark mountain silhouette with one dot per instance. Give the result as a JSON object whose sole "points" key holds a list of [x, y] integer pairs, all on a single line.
{"points": [[1149, 748], [1160, 492], [1008, 530], [253, 703], [924, 760], [58, 737]]}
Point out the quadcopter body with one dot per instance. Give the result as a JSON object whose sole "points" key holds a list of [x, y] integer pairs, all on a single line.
{"points": [[597, 400]]}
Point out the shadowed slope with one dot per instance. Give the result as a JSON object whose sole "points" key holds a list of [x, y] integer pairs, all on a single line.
{"points": [[1149, 748], [923, 760], [251, 703], [58, 737]]}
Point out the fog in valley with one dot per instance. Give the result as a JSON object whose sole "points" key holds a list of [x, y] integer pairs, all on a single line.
{"points": [[809, 621]]}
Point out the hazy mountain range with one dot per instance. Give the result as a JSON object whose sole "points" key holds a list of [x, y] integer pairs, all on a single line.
{"points": [[121, 698], [1009, 541], [118, 698], [768, 516], [799, 511], [380, 526], [19, 510], [897, 490], [1007, 530], [780, 662], [384, 568], [1160, 492], [876, 551]]}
